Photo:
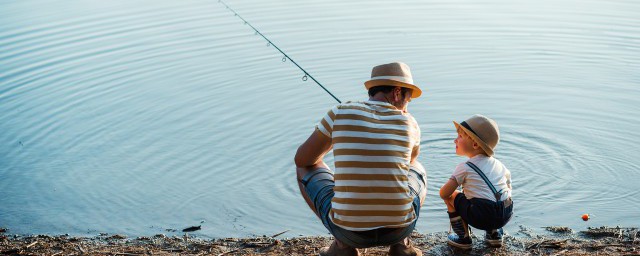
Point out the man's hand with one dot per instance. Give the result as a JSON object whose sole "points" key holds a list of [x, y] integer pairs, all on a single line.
{"points": [[414, 153], [313, 150]]}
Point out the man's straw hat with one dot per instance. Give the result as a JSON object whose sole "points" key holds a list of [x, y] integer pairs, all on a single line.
{"points": [[393, 74], [482, 130]]}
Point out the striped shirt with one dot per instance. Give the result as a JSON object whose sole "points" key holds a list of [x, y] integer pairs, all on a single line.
{"points": [[372, 145]]}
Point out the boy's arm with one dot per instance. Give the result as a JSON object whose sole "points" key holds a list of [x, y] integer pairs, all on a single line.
{"points": [[448, 188]]}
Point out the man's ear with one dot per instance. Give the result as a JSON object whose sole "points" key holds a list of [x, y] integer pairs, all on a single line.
{"points": [[397, 93]]}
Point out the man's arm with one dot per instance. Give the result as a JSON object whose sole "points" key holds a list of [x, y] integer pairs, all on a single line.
{"points": [[414, 153], [313, 150]]}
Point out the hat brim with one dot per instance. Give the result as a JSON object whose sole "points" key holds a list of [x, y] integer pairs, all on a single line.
{"points": [[475, 138], [416, 92]]}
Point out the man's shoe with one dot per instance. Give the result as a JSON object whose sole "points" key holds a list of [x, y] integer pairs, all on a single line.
{"points": [[338, 249], [460, 242], [404, 248], [494, 238]]}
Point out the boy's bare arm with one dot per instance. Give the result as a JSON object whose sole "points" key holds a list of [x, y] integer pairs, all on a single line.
{"points": [[313, 150], [448, 188]]}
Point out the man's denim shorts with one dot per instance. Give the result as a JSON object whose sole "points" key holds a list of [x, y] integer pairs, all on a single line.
{"points": [[319, 186]]}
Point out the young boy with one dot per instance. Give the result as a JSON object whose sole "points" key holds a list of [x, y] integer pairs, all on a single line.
{"points": [[485, 202]]}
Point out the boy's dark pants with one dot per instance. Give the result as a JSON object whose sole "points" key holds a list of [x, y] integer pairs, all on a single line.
{"points": [[482, 213]]}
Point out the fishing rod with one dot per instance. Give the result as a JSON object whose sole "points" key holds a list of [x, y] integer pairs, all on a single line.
{"points": [[269, 43]]}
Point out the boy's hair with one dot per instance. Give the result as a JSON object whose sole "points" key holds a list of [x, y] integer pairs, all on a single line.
{"points": [[463, 133]]}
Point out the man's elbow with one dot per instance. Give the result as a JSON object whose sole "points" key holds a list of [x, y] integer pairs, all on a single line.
{"points": [[298, 159]]}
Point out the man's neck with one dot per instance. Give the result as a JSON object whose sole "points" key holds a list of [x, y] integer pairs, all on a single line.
{"points": [[378, 97]]}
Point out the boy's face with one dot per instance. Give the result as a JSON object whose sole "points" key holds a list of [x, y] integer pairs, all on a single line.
{"points": [[464, 144]]}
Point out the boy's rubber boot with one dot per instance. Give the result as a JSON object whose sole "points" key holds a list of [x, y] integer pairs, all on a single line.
{"points": [[461, 237], [338, 248], [404, 248], [493, 238]]}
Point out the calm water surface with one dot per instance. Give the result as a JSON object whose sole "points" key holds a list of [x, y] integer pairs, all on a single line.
{"points": [[139, 116]]}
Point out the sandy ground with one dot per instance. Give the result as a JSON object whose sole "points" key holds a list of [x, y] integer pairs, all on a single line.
{"points": [[557, 241]]}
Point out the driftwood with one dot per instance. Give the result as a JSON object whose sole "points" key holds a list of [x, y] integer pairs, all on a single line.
{"points": [[549, 244], [273, 236]]}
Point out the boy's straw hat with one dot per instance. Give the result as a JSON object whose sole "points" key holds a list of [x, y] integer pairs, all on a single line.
{"points": [[482, 130], [393, 74]]}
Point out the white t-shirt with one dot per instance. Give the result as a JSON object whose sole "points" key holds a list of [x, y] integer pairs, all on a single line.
{"points": [[473, 184]]}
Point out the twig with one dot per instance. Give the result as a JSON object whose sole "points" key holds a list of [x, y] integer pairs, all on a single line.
{"points": [[561, 252], [32, 244], [172, 250], [258, 243], [534, 245], [235, 250], [56, 253], [273, 236], [548, 244], [606, 245], [553, 244], [81, 250], [121, 253]]}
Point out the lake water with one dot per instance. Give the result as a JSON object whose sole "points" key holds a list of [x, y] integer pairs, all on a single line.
{"points": [[138, 116]]}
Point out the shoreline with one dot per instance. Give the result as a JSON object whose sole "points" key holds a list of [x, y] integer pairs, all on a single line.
{"points": [[556, 241]]}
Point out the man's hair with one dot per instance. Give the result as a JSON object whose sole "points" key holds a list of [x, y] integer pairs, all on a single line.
{"points": [[386, 89]]}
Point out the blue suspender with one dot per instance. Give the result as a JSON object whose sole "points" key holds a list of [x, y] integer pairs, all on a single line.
{"points": [[496, 193]]}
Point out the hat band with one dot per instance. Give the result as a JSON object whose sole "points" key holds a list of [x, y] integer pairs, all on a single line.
{"points": [[396, 78], [465, 125]]}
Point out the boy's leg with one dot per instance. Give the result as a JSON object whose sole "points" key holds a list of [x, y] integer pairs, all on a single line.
{"points": [[494, 237], [450, 202], [461, 237]]}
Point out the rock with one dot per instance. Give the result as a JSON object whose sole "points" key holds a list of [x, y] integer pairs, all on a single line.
{"points": [[558, 229], [603, 232], [117, 237], [191, 229]]}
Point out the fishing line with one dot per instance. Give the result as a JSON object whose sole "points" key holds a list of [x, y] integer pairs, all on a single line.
{"points": [[284, 59]]}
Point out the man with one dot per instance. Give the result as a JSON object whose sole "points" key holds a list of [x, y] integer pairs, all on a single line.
{"points": [[374, 196]]}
